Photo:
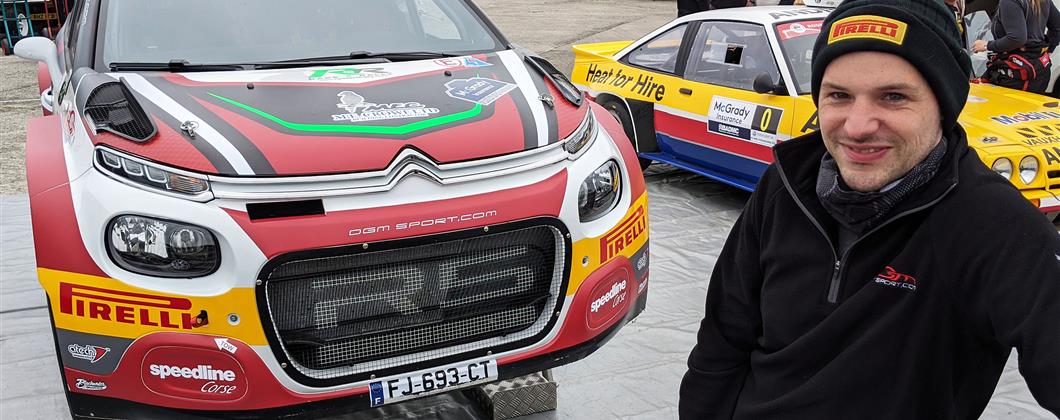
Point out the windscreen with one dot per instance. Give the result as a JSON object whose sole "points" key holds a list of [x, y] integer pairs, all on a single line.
{"points": [[796, 42], [242, 31]]}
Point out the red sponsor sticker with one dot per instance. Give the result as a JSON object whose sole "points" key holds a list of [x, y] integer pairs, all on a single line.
{"points": [[609, 298], [125, 307], [627, 232], [796, 29], [194, 373], [71, 119]]}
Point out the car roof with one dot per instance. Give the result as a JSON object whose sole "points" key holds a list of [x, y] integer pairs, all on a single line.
{"points": [[764, 15]]}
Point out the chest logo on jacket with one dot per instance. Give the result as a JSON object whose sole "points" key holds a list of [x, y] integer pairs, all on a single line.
{"points": [[892, 278]]}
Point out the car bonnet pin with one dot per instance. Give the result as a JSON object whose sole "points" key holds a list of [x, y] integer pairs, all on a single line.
{"points": [[189, 127], [548, 100]]}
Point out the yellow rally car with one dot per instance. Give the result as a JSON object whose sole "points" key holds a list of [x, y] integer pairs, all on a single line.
{"points": [[712, 93]]}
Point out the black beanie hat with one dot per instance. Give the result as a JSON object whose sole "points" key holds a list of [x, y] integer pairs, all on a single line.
{"points": [[923, 32]]}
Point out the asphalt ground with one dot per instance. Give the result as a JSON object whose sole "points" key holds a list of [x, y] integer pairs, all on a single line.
{"points": [[633, 376]]}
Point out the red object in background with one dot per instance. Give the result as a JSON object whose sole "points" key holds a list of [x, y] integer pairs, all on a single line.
{"points": [[44, 82], [62, 10]]}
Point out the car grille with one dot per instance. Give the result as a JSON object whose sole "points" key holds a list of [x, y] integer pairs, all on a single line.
{"points": [[360, 311], [1054, 176]]}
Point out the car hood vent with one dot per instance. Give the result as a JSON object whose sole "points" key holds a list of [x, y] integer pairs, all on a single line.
{"points": [[112, 107]]}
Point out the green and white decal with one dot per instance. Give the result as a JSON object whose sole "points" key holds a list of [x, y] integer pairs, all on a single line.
{"points": [[360, 129]]}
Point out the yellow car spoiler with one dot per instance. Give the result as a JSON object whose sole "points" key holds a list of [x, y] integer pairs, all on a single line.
{"points": [[599, 50]]}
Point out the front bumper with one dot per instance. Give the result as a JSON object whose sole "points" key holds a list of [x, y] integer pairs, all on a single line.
{"points": [[131, 391], [86, 405], [131, 345], [114, 341], [1047, 201]]}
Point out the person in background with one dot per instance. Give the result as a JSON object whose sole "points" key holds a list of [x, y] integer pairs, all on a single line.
{"points": [[725, 4], [957, 7], [687, 7], [1025, 32], [879, 270]]}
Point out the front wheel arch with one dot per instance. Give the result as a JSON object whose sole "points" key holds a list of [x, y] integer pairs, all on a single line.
{"points": [[617, 107]]}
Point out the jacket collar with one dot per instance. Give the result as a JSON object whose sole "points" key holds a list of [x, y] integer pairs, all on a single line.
{"points": [[798, 161]]}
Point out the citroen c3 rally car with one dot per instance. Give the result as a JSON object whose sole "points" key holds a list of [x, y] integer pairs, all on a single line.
{"points": [[298, 210], [712, 93]]}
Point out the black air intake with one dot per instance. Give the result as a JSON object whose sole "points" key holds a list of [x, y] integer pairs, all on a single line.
{"points": [[339, 314], [112, 107]]}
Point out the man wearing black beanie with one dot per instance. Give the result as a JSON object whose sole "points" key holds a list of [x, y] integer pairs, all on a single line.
{"points": [[879, 270]]}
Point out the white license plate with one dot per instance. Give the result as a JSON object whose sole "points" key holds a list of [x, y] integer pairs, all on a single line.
{"points": [[432, 381]]}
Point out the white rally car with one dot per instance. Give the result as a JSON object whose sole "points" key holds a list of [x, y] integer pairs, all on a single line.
{"points": [[312, 208]]}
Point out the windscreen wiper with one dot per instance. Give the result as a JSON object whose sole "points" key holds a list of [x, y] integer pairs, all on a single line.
{"points": [[356, 57], [175, 65], [401, 56]]}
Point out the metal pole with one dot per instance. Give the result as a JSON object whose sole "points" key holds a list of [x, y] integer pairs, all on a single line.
{"points": [[3, 17], [29, 22]]}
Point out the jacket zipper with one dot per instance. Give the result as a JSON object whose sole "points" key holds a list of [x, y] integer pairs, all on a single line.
{"points": [[837, 269], [836, 277], [833, 287]]}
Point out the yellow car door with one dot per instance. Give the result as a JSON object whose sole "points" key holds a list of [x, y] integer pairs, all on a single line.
{"points": [[724, 129]]}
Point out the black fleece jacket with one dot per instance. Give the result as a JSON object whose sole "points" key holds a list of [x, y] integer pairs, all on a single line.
{"points": [[915, 321]]}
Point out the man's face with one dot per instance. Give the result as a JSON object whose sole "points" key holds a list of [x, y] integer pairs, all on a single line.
{"points": [[878, 118]]}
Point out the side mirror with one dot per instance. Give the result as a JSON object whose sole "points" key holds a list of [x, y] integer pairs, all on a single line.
{"points": [[763, 84], [41, 49]]}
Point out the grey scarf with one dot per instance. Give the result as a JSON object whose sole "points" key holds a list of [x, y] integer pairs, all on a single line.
{"points": [[859, 211]]}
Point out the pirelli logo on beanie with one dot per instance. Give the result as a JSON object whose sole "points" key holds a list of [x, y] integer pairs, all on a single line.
{"points": [[868, 26]]}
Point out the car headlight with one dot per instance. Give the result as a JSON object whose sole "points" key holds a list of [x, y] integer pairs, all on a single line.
{"points": [[599, 192], [142, 173], [161, 248], [1003, 167], [582, 136], [1028, 169]]}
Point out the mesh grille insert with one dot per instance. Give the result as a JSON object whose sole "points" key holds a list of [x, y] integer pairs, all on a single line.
{"points": [[362, 312], [112, 108]]}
